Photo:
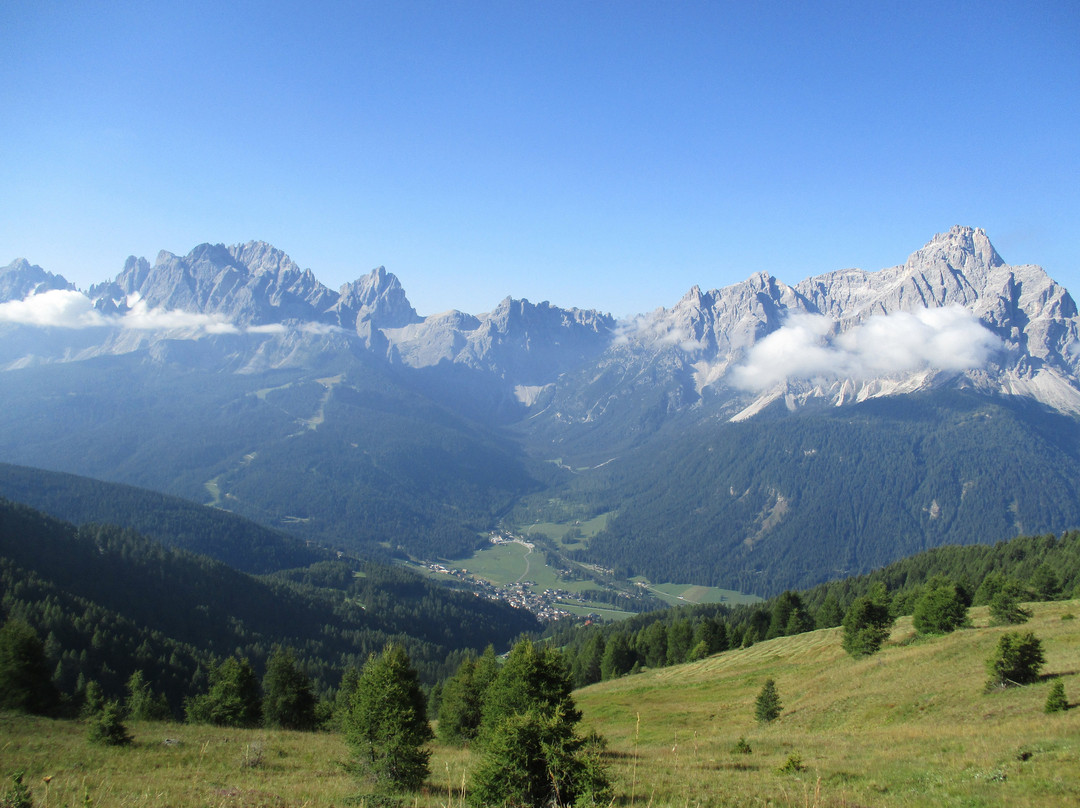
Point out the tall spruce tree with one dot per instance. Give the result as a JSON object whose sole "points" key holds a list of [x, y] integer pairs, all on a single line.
{"points": [[387, 725], [25, 675], [288, 700]]}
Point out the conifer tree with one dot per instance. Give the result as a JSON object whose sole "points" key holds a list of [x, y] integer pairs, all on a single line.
{"points": [[1016, 660], [107, 727], [1055, 699], [288, 701], [767, 705], [941, 608], [618, 657], [1005, 604], [867, 623], [142, 704], [233, 699], [25, 676], [531, 754], [387, 725]]}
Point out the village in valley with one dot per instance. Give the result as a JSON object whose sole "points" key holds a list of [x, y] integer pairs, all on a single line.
{"points": [[548, 604]]}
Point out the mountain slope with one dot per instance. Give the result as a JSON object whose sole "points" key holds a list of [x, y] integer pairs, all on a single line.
{"points": [[108, 601], [791, 499]]}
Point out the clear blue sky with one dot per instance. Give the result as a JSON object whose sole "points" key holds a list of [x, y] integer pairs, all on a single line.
{"points": [[596, 154]]}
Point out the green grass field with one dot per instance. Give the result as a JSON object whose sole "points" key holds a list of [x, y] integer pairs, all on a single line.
{"points": [[910, 726], [687, 594]]}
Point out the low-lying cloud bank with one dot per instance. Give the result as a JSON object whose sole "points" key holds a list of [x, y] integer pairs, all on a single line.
{"points": [[74, 310], [806, 348]]}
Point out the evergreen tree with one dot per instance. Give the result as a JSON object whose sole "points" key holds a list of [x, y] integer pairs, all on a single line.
{"points": [[586, 668], [387, 725], [93, 700], [652, 645], [941, 608], [867, 623], [233, 699], [1005, 604], [1045, 582], [533, 677], [1016, 660], [142, 704], [618, 657], [830, 614], [343, 698], [712, 632], [530, 752], [533, 760], [107, 727], [680, 637], [25, 674], [288, 701], [459, 712], [786, 605], [1055, 699], [767, 705]]}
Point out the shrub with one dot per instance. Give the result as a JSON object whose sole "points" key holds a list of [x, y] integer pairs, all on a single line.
{"points": [[17, 794], [741, 747], [1016, 660], [793, 765]]}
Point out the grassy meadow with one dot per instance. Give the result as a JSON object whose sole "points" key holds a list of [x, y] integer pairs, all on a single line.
{"points": [[910, 726]]}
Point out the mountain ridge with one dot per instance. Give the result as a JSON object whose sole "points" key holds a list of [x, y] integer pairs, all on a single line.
{"points": [[519, 347]]}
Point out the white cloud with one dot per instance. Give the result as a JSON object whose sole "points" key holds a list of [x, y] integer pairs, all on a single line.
{"points": [[141, 317], [805, 347], [59, 308], [71, 309], [655, 327]]}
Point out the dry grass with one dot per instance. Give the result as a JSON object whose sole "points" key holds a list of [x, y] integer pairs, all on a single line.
{"points": [[910, 726]]}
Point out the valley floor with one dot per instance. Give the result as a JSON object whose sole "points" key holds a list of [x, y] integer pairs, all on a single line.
{"points": [[910, 726]]}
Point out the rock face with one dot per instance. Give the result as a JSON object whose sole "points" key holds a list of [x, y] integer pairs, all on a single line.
{"points": [[20, 279], [570, 366]]}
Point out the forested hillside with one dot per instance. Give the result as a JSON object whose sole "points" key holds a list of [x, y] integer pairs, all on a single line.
{"points": [[175, 522], [790, 500], [107, 602]]}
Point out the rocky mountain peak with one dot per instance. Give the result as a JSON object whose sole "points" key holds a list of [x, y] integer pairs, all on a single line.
{"points": [[377, 299], [20, 279]]}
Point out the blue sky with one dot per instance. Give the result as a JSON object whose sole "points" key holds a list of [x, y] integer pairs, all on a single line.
{"points": [[604, 155]]}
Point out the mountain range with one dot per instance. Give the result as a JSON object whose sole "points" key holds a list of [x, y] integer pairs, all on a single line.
{"points": [[879, 412]]}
